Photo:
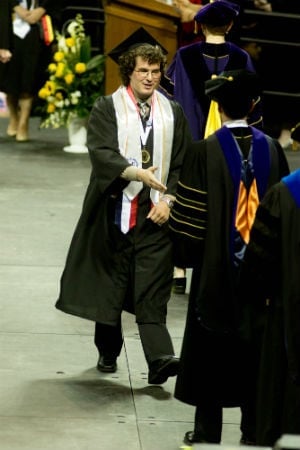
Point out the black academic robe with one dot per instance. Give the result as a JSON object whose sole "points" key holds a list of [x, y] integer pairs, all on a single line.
{"points": [[188, 72], [26, 72], [6, 10], [6, 35], [107, 271], [214, 360], [272, 263]]}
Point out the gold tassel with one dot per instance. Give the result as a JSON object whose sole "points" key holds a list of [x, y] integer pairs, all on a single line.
{"points": [[195, 27], [213, 122]]}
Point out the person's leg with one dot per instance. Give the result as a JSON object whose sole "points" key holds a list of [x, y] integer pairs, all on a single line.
{"points": [[208, 424], [252, 357], [25, 105], [179, 280], [108, 340], [156, 341], [248, 423], [159, 352], [13, 110]]}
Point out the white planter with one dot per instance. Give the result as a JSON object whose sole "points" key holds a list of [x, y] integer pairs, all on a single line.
{"points": [[77, 133]]}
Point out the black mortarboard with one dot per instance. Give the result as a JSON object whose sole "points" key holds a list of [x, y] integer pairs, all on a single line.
{"points": [[217, 13], [295, 132], [231, 85], [235, 91], [137, 38]]}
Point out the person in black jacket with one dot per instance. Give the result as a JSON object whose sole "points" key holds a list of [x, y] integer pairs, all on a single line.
{"points": [[6, 10], [221, 183], [121, 255], [270, 271], [26, 70]]}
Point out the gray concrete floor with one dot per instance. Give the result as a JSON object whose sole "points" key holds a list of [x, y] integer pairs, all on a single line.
{"points": [[52, 396]]}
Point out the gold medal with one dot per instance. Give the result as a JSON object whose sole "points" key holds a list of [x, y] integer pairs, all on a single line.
{"points": [[145, 156]]}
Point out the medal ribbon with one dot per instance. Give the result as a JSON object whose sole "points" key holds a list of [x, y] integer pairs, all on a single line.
{"points": [[144, 132]]}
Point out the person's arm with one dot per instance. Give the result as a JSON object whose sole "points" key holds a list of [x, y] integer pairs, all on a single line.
{"points": [[6, 9], [147, 176], [263, 5], [51, 7], [188, 216], [21, 11], [259, 270], [186, 9], [35, 15]]}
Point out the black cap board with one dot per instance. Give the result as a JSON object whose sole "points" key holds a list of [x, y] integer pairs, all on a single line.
{"points": [[137, 38], [232, 85], [217, 13]]}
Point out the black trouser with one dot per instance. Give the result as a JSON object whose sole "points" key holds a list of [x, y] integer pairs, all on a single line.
{"points": [[209, 418], [155, 338]]}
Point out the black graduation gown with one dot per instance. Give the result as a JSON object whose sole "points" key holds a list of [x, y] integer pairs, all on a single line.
{"points": [[26, 72], [6, 36], [188, 72], [6, 10], [272, 261], [214, 360], [107, 271]]}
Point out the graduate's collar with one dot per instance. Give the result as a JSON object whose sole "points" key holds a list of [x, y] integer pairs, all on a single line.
{"points": [[137, 100], [235, 123], [144, 100]]}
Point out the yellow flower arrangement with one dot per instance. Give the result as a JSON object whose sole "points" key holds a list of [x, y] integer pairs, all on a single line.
{"points": [[75, 78]]}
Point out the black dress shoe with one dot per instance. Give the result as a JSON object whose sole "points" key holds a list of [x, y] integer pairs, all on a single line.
{"points": [[162, 369], [107, 364], [179, 285], [191, 437], [247, 440]]}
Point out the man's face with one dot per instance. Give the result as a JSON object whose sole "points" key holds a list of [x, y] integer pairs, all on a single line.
{"points": [[145, 78]]}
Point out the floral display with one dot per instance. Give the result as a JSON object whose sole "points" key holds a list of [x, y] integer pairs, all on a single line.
{"points": [[76, 78]]}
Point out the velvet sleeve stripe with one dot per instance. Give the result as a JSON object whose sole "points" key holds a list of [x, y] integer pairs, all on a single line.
{"points": [[189, 214], [191, 197]]}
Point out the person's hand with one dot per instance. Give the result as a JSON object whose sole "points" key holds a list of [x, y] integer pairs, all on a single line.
{"points": [[178, 3], [34, 15], [5, 55], [22, 12], [263, 5], [186, 9], [147, 177], [159, 213]]}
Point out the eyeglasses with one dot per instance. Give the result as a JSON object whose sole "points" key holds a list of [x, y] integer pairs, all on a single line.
{"points": [[144, 73]]}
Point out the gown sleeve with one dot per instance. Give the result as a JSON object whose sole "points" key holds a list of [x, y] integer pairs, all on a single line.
{"points": [[102, 140], [260, 268], [188, 217], [182, 138]]}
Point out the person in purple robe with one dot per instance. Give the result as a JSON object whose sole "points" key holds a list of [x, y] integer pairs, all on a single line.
{"points": [[196, 63]]}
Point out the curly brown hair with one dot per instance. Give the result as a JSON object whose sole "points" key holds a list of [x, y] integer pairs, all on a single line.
{"points": [[153, 54]]}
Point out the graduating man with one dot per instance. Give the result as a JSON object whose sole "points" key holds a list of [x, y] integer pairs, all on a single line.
{"points": [[222, 181], [121, 254]]}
